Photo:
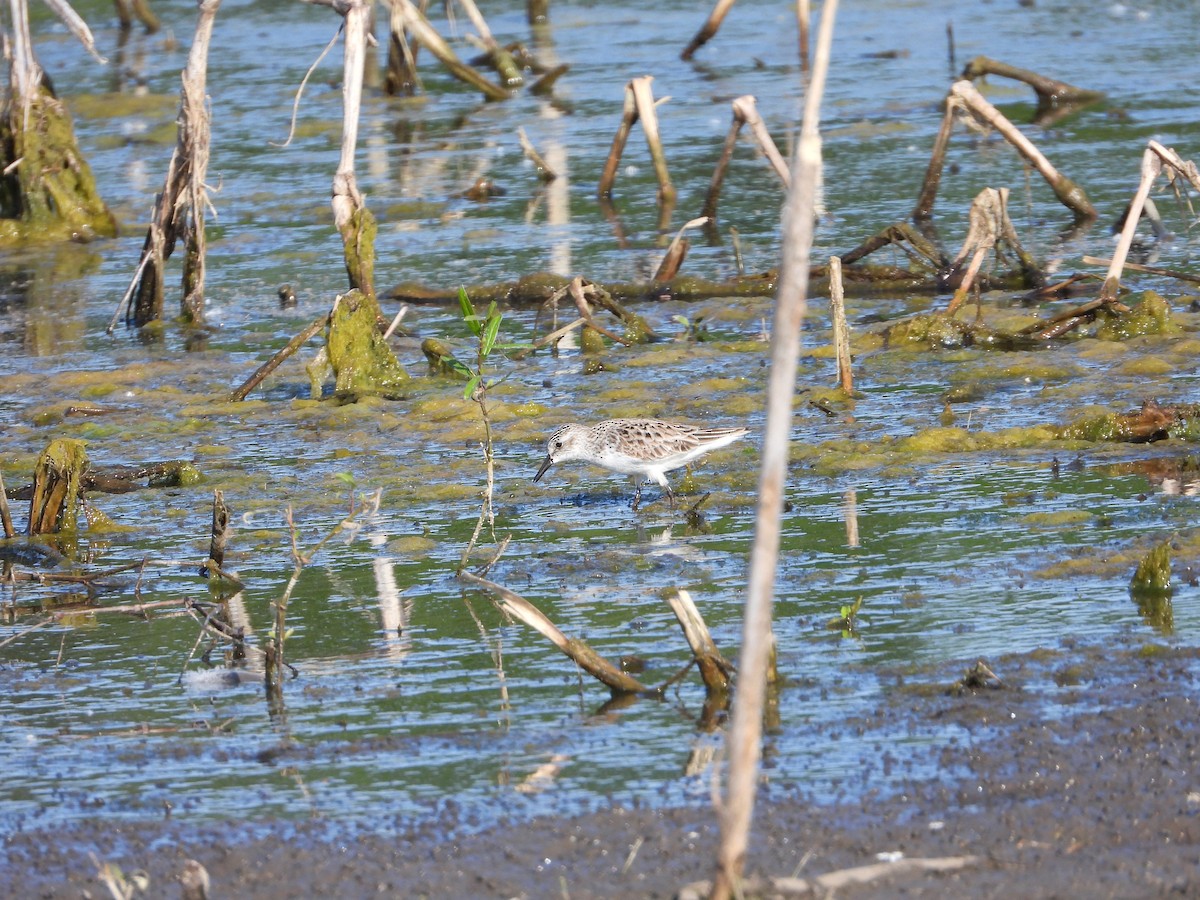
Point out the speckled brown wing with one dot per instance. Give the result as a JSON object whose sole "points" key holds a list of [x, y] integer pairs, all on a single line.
{"points": [[650, 440]]}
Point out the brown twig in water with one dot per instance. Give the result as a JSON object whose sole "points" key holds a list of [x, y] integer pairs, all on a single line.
{"points": [[587, 659], [219, 533], [1061, 288], [966, 96], [745, 112], [125, 609], [20, 634], [629, 116], [427, 35], [87, 580], [576, 291], [551, 338], [544, 172], [503, 61], [1136, 267], [1063, 322], [710, 27], [1055, 98], [673, 258], [745, 107], [275, 361], [714, 668]]}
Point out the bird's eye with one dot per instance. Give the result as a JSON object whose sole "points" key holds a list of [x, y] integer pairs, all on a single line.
{"points": [[558, 445]]}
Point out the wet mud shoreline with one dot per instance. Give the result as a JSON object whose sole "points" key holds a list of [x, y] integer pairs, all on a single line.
{"points": [[1083, 788]]}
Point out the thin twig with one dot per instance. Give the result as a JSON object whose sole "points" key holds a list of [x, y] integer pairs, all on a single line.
{"points": [[303, 81], [20, 634]]}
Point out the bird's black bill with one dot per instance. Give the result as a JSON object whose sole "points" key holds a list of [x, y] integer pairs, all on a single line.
{"points": [[542, 471]]}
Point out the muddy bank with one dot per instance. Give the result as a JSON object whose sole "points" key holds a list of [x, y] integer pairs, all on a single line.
{"points": [[1075, 778]]}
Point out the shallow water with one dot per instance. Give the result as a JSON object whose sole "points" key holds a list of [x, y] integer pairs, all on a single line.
{"points": [[961, 553]]}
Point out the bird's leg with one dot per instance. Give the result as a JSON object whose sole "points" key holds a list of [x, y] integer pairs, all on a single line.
{"points": [[637, 496], [670, 495]]}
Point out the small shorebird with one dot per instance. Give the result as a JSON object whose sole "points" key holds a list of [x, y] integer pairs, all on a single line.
{"points": [[646, 448]]}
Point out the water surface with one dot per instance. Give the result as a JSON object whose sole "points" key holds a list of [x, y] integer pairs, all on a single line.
{"points": [[411, 690]]}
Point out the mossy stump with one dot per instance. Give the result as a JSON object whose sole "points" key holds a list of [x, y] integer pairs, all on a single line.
{"points": [[48, 191], [57, 480], [362, 361]]}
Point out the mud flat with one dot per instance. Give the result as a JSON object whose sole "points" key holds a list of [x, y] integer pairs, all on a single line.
{"points": [[1076, 776]]}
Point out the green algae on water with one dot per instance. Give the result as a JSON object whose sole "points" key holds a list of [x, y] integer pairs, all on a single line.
{"points": [[1151, 316]]}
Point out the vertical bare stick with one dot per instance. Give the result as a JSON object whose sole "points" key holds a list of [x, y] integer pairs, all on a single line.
{"points": [[718, 177], [923, 211], [803, 21], [179, 209], [743, 746], [220, 529], [351, 217], [402, 76], [5, 515], [1151, 167], [643, 97], [196, 128], [850, 507], [841, 331], [537, 11], [629, 116], [708, 29]]}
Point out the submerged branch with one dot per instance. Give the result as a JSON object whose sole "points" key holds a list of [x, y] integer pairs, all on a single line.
{"points": [[583, 655]]}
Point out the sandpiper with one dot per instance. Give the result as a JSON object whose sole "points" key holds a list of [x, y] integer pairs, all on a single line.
{"points": [[646, 448]]}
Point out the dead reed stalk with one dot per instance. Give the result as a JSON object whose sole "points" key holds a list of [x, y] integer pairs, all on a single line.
{"points": [[743, 745], [179, 209], [841, 330], [745, 112], [710, 27], [584, 656], [677, 251], [5, 515], [639, 105], [965, 97], [426, 34]]}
